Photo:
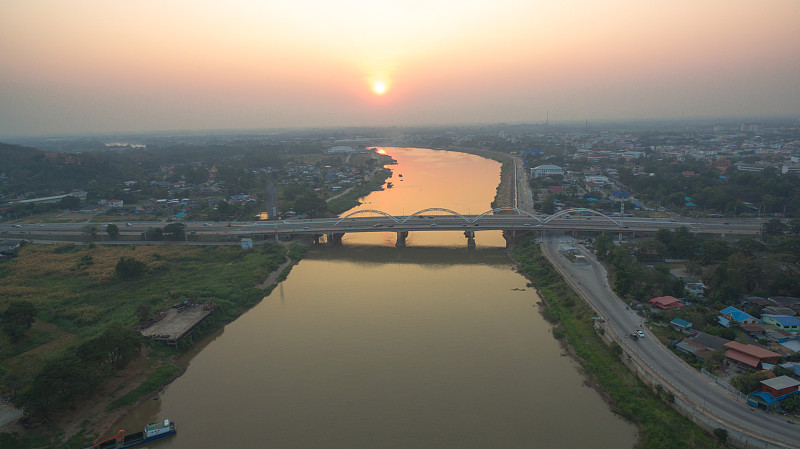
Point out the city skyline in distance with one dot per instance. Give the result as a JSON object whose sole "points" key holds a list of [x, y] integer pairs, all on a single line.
{"points": [[92, 66]]}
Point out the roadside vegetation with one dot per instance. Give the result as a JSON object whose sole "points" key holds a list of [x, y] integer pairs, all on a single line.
{"points": [[660, 426], [68, 314]]}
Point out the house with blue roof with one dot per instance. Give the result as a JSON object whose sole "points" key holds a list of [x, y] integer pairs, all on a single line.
{"points": [[736, 315], [785, 322], [773, 392]]}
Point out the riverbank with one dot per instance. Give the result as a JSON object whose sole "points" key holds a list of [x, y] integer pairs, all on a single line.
{"points": [[506, 193], [659, 424], [82, 295]]}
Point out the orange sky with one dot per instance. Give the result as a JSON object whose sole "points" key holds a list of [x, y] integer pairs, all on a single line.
{"points": [[84, 66]]}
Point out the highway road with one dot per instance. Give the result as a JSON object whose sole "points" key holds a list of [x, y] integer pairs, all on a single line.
{"points": [[708, 398], [429, 220]]}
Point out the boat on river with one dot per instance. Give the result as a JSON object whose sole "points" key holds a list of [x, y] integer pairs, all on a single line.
{"points": [[151, 432]]}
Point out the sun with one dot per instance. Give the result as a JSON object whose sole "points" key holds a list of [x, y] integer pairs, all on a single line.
{"points": [[379, 87]]}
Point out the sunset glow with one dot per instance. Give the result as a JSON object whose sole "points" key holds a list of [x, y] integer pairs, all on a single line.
{"points": [[92, 65]]}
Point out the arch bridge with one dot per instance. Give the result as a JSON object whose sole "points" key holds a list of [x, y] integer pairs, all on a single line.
{"points": [[510, 220]]}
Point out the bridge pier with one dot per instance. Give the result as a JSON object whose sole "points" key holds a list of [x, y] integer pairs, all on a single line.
{"points": [[401, 239], [470, 235], [317, 239], [511, 236], [335, 238]]}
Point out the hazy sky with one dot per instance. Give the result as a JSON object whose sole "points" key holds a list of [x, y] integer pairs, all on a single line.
{"points": [[85, 66]]}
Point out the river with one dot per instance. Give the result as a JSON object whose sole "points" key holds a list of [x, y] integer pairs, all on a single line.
{"points": [[371, 346]]}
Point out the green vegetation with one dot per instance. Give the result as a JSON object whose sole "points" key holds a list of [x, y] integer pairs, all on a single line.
{"points": [[660, 425], [76, 372], [112, 230], [156, 380], [129, 268], [82, 331], [791, 404], [730, 268], [736, 194], [749, 382], [17, 319]]}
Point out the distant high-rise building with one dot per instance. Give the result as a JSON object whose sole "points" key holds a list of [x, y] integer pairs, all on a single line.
{"points": [[271, 201], [750, 127]]}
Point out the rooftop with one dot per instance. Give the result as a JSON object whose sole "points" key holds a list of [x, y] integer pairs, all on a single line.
{"points": [[736, 314], [784, 320], [751, 350], [781, 382]]}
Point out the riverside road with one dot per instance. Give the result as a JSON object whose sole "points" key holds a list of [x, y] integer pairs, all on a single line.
{"points": [[706, 397]]}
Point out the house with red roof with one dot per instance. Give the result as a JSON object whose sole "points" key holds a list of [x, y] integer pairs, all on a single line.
{"points": [[750, 355], [666, 302]]}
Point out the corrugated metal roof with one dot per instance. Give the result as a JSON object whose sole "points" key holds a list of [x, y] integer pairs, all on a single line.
{"points": [[781, 382], [751, 350], [742, 357]]}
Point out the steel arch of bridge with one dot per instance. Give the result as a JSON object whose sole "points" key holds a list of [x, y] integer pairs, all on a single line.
{"points": [[478, 217], [466, 219], [580, 209], [403, 220]]}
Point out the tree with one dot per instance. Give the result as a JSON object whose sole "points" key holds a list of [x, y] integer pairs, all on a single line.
{"points": [[774, 227], [548, 207], [89, 232], [747, 383], [603, 246], [69, 202], [795, 226], [113, 348], [153, 234], [791, 404], [175, 231], [112, 230], [129, 268], [57, 384], [310, 205], [17, 319]]}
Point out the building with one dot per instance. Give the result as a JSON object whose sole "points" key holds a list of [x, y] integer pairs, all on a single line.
{"points": [[736, 315], [778, 310], [753, 330], [696, 288], [666, 302], [701, 345], [785, 322], [750, 355], [681, 325], [774, 391], [547, 170], [343, 150]]}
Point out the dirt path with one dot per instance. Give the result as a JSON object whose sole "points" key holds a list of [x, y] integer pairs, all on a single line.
{"points": [[273, 277]]}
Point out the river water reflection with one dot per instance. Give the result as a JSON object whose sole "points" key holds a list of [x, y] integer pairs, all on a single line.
{"points": [[371, 346]]}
